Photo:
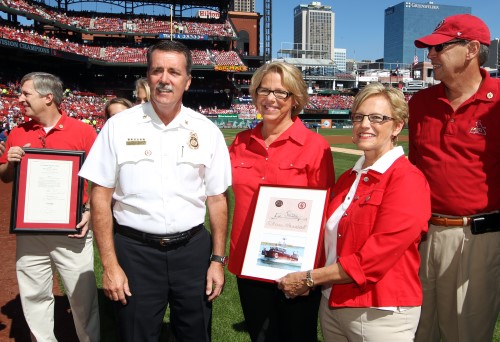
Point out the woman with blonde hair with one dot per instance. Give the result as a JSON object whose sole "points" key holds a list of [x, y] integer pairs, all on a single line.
{"points": [[376, 217], [142, 92], [280, 150]]}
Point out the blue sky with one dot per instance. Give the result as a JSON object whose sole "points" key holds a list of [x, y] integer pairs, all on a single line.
{"points": [[359, 26]]}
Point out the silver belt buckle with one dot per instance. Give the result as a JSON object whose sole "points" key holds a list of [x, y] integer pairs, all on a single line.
{"points": [[164, 242]]}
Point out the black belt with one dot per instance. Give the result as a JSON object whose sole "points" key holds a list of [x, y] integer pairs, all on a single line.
{"points": [[168, 240]]}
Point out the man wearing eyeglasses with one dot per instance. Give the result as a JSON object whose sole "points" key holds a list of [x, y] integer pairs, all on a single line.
{"points": [[454, 141], [38, 255]]}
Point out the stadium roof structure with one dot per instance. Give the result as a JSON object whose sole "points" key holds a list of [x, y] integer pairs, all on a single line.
{"points": [[178, 6], [310, 62]]}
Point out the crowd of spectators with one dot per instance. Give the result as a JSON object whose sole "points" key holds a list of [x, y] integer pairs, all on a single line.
{"points": [[220, 57], [122, 54], [330, 102], [237, 108], [132, 24], [89, 107]]}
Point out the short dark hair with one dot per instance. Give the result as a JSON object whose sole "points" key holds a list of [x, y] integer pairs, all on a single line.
{"points": [[484, 52], [119, 100], [175, 46]]}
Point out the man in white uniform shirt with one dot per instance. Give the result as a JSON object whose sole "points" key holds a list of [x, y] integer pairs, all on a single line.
{"points": [[161, 162]]}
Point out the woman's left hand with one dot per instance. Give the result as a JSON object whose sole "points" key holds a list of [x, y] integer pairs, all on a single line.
{"points": [[293, 284]]}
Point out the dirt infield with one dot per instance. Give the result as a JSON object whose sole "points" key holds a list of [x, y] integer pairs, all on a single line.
{"points": [[13, 326]]}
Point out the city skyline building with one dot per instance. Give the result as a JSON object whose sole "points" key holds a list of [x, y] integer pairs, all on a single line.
{"points": [[340, 59], [494, 55], [243, 6], [314, 30], [407, 21]]}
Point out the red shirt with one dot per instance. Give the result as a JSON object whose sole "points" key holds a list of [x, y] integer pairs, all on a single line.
{"points": [[378, 236], [67, 134], [299, 157], [458, 151]]}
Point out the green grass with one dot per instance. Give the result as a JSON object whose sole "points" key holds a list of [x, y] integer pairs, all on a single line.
{"points": [[228, 322]]}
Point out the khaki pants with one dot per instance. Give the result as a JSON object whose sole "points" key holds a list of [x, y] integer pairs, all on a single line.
{"points": [[367, 324], [460, 275], [37, 258]]}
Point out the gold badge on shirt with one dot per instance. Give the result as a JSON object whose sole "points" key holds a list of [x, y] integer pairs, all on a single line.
{"points": [[193, 141]]}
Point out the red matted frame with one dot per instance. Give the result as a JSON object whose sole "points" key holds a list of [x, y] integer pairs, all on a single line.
{"points": [[21, 195], [287, 232]]}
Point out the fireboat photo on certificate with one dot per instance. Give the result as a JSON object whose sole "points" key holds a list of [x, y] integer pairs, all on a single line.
{"points": [[277, 252]]}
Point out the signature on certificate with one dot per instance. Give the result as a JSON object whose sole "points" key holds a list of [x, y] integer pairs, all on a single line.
{"points": [[288, 214]]}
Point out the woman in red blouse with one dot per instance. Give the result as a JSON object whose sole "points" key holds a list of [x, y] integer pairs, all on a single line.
{"points": [[279, 150], [375, 221]]}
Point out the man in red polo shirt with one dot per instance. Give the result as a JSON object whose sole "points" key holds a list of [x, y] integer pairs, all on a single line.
{"points": [[37, 254], [454, 141]]}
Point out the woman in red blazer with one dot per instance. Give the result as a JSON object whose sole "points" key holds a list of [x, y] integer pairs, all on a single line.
{"points": [[375, 221]]}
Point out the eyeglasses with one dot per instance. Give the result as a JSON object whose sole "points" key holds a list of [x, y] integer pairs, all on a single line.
{"points": [[373, 118], [279, 94], [440, 47]]}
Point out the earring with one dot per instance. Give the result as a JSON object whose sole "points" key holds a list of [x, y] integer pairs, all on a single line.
{"points": [[352, 138]]}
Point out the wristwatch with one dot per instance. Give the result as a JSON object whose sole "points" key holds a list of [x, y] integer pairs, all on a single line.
{"points": [[309, 279], [85, 208], [220, 259]]}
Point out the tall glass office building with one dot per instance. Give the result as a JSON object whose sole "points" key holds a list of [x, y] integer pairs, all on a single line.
{"points": [[408, 21]]}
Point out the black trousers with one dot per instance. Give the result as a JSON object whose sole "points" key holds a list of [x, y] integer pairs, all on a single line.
{"points": [[271, 317], [165, 276]]}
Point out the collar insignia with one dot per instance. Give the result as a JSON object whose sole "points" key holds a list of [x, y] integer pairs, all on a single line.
{"points": [[139, 141]]}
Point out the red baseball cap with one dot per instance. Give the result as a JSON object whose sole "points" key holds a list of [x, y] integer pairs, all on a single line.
{"points": [[460, 26]]}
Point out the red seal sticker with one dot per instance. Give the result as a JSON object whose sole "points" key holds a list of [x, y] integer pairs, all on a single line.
{"points": [[301, 205]]}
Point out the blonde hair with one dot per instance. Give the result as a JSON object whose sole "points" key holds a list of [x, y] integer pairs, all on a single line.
{"points": [[396, 99], [292, 80], [142, 83]]}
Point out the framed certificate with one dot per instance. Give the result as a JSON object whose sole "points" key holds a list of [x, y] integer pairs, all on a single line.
{"points": [[47, 192], [287, 230]]}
